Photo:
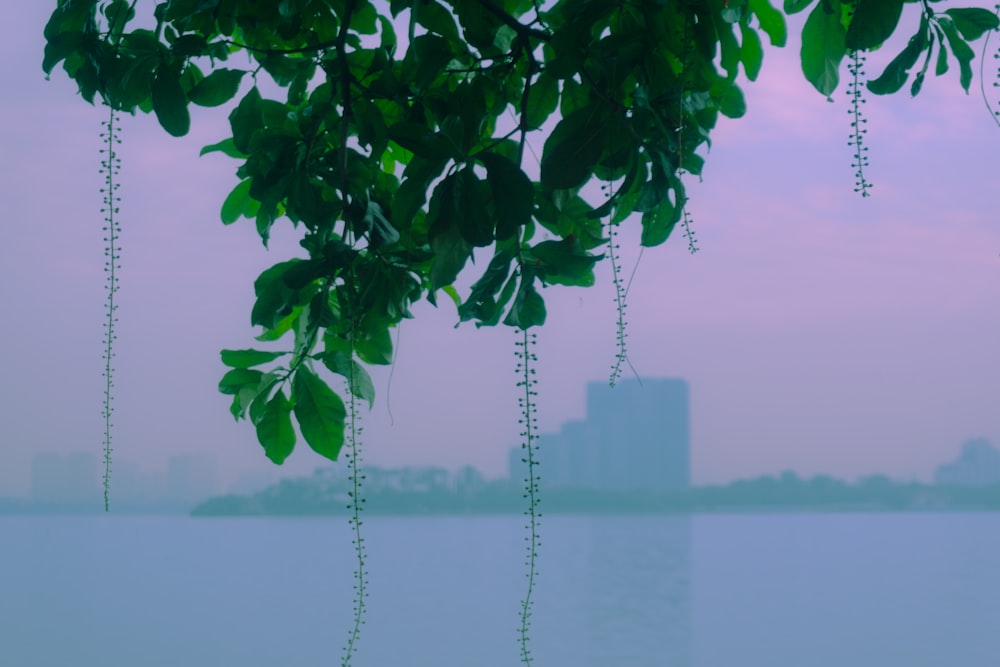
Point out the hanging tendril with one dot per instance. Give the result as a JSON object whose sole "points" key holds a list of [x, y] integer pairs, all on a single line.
{"points": [[110, 167], [528, 421]]}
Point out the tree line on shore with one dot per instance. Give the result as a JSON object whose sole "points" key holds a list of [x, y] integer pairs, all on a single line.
{"points": [[436, 492]]}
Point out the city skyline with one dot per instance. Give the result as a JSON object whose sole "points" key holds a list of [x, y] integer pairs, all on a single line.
{"points": [[73, 479]]}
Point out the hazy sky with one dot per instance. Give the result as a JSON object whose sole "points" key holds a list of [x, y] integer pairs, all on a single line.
{"points": [[819, 332]]}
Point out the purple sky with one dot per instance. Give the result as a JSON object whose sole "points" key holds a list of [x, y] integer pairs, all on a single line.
{"points": [[820, 332]]}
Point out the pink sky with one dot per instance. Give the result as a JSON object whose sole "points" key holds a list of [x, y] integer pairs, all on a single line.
{"points": [[819, 332]]}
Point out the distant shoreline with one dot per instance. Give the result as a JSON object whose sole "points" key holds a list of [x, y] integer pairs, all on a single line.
{"points": [[787, 494], [763, 495]]}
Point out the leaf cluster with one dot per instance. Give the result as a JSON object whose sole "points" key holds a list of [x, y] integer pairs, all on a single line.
{"points": [[400, 136], [835, 28]]}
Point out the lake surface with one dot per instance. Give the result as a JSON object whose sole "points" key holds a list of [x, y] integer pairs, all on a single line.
{"points": [[782, 590]]}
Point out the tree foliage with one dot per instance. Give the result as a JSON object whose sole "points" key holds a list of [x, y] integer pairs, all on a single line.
{"points": [[394, 136]]}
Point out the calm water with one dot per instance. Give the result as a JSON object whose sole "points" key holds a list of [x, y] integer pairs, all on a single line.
{"points": [[714, 591]]}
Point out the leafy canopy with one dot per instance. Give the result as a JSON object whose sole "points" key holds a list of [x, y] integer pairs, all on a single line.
{"points": [[397, 145]]}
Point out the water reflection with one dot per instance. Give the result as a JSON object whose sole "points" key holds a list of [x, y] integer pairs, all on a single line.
{"points": [[616, 590]]}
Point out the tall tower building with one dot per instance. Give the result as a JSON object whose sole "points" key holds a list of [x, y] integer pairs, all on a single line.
{"points": [[642, 432], [636, 436]]}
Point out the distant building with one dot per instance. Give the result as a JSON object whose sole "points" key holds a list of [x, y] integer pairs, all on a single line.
{"points": [[65, 479], [191, 479], [636, 436], [977, 465]]}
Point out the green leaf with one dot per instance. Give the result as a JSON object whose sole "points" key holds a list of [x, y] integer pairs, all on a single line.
{"points": [[274, 428], [751, 52], [771, 21], [529, 307], [169, 102], [217, 88], [896, 72], [543, 99], [236, 379], [972, 22], [246, 119], [513, 194], [564, 262], [873, 22], [320, 413], [275, 299], [430, 54], [226, 147], [437, 19], [416, 138], [963, 52], [236, 202], [731, 101], [453, 295], [451, 251], [822, 48], [248, 358], [359, 382], [375, 347], [474, 222], [573, 148], [658, 223], [481, 304], [729, 49], [364, 19], [118, 13], [941, 67]]}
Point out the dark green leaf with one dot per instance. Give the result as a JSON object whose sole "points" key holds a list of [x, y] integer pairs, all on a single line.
{"points": [[217, 88], [771, 21], [896, 72], [417, 139], [118, 13], [573, 148], [248, 358], [275, 299], [481, 304], [169, 102], [474, 222], [236, 202], [543, 98], [437, 19], [364, 20], [320, 413], [658, 223], [430, 54], [528, 309], [246, 119], [564, 262], [972, 22], [873, 22], [822, 48], [274, 428], [451, 251], [513, 194]]}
